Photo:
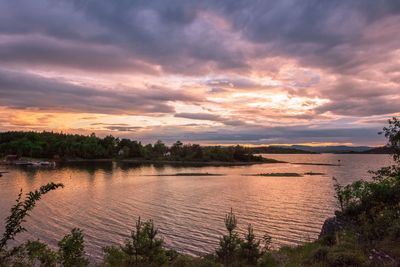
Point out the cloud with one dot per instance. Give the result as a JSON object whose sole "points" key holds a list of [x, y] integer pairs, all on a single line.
{"points": [[360, 97], [199, 116], [123, 128], [211, 117], [192, 37], [331, 34], [30, 91], [176, 37], [48, 53]]}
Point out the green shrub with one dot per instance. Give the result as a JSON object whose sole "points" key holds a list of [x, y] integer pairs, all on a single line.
{"points": [[229, 244], [342, 256], [142, 249], [268, 260], [39, 252], [250, 247], [72, 250], [114, 256]]}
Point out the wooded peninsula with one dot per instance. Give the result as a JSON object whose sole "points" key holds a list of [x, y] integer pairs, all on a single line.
{"points": [[61, 146]]}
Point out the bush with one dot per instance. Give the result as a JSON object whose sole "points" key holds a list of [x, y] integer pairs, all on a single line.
{"points": [[268, 260], [72, 250], [39, 252], [342, 256]]}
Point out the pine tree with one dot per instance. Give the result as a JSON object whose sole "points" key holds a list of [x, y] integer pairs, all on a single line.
{"points": [[229, 244], [250, 247]]}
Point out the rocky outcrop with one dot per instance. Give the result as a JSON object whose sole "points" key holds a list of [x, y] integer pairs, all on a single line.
{"points": [[331, 226]]}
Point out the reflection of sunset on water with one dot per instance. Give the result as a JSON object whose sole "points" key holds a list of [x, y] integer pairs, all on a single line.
{"points": [[104, 199]]}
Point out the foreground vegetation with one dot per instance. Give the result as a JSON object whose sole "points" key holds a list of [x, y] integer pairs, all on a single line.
{"points": [[365, 232], [68, 146]]}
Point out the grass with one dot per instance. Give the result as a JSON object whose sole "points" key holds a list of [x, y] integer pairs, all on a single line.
{"points": [[296, 256], [319, 253]]}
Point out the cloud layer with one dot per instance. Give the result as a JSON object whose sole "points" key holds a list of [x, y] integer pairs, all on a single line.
{"points": [[209, 71]]}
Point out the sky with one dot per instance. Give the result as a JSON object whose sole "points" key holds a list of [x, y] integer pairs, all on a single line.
{"points": [[209, 72]]}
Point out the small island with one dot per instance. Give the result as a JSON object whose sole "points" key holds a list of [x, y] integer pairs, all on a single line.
{"points": [[188, 174], [277, 174]]}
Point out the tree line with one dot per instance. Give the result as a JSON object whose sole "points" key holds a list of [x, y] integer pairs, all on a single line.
{"points": [[73, 146]]}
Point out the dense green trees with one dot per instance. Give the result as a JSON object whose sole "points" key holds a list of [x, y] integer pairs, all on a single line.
{"points": [[49, 145], [68, 146]]}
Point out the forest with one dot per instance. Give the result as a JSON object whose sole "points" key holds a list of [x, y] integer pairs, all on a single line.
{"points": [[61, 146]]}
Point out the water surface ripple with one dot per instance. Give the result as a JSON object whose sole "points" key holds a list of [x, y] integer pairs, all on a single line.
{"points": [[104, 200]]}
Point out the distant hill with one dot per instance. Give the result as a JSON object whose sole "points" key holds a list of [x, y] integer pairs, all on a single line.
{"points": [[333, 149], [378, 150], [301, 149], [278, 150]]}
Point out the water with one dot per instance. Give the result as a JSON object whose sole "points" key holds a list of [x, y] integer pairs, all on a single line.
{"points": [[105, 199]]}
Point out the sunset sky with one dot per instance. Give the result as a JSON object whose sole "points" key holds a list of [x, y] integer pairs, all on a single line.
{"points": [[210, 72]]}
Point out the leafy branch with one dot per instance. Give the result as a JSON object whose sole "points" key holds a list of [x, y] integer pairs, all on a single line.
{"points": [[21, 209]]}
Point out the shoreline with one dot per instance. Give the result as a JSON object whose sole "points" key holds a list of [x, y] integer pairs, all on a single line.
{"points": [[204, 163]]}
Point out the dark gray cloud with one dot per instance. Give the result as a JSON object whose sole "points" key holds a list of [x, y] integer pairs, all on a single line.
{"points": [[211, 117], [361, 107], [199, 116], [164, 34], [360, 97], [182, 36], [23, 90], [38, 51], [119, 127], [321, 33]]}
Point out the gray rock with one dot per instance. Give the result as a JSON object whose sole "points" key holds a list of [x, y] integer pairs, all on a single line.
{"points": [[331, 226]]}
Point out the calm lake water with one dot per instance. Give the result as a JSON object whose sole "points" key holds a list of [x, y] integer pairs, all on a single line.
{"points": [[105, 199]]}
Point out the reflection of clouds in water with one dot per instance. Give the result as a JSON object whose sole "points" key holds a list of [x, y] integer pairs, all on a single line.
{"points": [[105, 199]]}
